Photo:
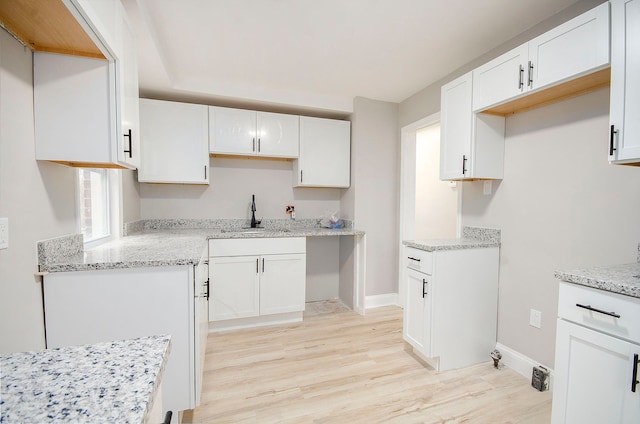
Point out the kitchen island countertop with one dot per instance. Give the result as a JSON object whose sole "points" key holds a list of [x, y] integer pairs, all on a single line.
{"points": [[622, 279], [111, 382]]}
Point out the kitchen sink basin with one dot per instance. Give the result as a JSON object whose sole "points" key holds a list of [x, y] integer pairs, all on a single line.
{"points": [[253, 230]]}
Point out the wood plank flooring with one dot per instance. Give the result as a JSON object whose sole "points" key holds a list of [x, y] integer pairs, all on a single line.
{"points": [[340, 367]]}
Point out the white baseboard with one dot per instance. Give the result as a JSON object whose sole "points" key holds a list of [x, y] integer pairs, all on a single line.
{"points": [[375, 301], [520, 363]]}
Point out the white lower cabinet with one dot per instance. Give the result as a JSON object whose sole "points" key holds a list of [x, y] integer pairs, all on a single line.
{"points": [[256, 277], [87, 307], [450, 313], [596, 358]]}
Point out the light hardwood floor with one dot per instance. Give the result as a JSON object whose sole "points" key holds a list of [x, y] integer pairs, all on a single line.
{"points": [[340, 367]]}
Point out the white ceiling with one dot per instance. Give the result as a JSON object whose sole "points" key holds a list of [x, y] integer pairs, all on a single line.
{"points": [[317, 54]]}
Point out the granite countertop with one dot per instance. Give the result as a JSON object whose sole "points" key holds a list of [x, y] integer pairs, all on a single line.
{"points": [[163, 243], [621, 279], [105, 382], [472, 238]]}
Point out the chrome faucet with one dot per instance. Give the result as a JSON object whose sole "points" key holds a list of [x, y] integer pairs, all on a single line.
{"points": [[254, 223]]}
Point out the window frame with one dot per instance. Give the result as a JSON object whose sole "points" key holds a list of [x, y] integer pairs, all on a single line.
{"points": [[113, 207]]}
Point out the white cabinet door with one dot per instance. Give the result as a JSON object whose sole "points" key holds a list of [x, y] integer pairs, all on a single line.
{"points": [[455, 128], [282, 283], [593, 375], [278, 135], [247, 132], [232, 131], [575, 48], [234, 284], [471, 144], [75, 115], [625, 84], [325, 153], [129, 140], [500, 79], [175, 139], [417, 312], [101, 306]]}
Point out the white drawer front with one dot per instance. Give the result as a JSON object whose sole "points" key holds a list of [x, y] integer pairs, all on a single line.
{"points": [[627, 326], [420, 260], [257, 246]]}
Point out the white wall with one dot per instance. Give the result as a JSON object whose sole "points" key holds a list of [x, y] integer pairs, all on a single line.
{"points": [[559, 206], [436, 202], [37, 197], [373, 198], [232, 183]]}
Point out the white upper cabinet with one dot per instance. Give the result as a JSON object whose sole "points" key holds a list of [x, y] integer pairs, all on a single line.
{"points": [[624, 142], [574, 49], [471, 145], [247, 132], [278, 134], [175, 142], [501, 78], [86, 109], [325, 153]]}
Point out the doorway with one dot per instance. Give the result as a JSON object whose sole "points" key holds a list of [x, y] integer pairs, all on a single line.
{"points": [[429, 208]]}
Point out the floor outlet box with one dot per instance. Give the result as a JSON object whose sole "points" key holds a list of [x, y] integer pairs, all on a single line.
{"points": [[4, 233], [540, 378]]}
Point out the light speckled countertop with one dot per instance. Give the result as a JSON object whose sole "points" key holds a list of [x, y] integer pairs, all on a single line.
{"points": [[158, 247], [105, 382], [472, 238], [621, 279]]}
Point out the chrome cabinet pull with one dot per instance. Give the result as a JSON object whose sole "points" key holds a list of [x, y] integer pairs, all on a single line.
{"points": [[413, 259], [464, 164], [521, 79], [530, 75], [424, 287], [600, 311]]}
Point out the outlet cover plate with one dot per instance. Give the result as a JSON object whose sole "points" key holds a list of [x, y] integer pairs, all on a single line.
{"points": [[535, 318]]}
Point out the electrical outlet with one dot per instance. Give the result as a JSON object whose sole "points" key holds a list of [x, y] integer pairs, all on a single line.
{"points": [[486, 188], [4, 233], [535, 318]]}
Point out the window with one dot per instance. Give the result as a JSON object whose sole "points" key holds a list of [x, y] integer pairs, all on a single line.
{"points": [[97, 217]]}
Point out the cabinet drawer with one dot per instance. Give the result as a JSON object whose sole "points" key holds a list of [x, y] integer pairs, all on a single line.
{"points": [[627, 326], [257, 246], [420, 260]]}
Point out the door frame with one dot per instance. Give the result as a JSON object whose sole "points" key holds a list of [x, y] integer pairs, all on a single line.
{"points": [[407, 204]]}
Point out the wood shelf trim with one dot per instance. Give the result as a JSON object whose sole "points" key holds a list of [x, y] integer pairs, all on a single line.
{"points": [[47, 26], [576, 87]]}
